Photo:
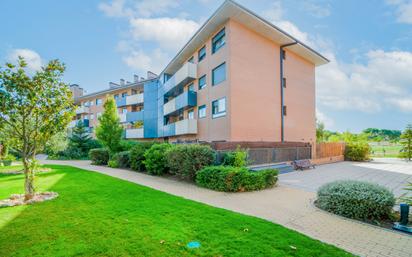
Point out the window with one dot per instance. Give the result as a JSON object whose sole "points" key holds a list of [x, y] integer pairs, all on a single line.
{"points": [[191, 87], [284, 54], [124, 94], [202, 82], [116, 97], [124, 110], [92, 116], [134, 91], [201, 54], [192, 59], [284, 82], [284, 110], [219, 108], [191, 114], [219, 74], [202, 111], [218, 41], [91, 103], [99, 101]]}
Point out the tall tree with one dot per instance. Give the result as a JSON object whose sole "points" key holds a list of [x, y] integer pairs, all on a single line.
{"points": [[406, 141], [109, 131], [33, 108], [80, 138]]}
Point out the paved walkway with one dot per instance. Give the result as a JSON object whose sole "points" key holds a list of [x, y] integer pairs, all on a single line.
{"points": [[290, 207], [391, 173]]}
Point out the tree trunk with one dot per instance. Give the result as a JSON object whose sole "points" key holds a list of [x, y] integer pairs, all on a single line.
{"points": [[29, 180]]}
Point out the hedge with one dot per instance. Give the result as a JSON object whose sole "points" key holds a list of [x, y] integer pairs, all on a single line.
{"points": [[155, 159], [99, 156], [122, 159], [137, 155], [357, 151], [186, 160], [356, 200], [235, 179]]}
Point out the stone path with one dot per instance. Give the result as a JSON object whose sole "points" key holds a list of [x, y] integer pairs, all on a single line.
{"points": [[290, 207]]}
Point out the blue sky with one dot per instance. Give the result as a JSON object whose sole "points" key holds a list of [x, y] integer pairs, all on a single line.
{"points": [[367, 84]]}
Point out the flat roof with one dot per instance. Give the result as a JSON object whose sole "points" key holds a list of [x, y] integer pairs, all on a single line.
{"points": [[232, 10]]}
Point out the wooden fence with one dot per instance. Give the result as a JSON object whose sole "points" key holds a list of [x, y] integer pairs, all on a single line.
{"points": [[329, 152]]}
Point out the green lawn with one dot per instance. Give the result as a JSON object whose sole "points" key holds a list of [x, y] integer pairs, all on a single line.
{"points": [[386, 151], [11, 168], [97, 215]]}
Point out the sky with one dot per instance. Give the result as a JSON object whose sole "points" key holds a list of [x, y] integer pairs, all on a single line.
{"points": [[368, 82]]}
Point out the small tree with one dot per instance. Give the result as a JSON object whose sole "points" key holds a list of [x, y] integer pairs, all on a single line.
{"points": [[80, 139], [406, 142], [33, 108], [109, 131]]}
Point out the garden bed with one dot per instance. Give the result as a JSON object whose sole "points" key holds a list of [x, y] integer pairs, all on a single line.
{"points": [[19, 199]]}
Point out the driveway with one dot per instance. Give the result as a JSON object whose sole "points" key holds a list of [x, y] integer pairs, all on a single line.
{"points": [[391, 173]]}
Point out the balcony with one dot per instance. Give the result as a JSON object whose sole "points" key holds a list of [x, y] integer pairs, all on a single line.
{"points": [[185, 100], [130, 100], [82, 109], [183, 127], [184, 75], [134, 133], [131, 116]]}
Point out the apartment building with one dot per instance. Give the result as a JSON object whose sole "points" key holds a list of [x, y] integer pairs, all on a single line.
{"points": [[239, 78]]}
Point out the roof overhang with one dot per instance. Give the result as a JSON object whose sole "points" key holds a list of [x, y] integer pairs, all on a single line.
{"points": [[232, 10]]}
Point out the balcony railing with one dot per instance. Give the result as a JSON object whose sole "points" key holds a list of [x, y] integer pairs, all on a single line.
{"points": [[131, 116], [82, 109], [185, 100], [184, 75], [183, 127], [134, 133], [130, 100]]}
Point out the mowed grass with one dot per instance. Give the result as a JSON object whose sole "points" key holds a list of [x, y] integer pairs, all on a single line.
{"points": [[97, 215], [386, 151], [11, 168]]}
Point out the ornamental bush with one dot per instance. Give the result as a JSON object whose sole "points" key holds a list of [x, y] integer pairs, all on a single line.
{"points": [[357, 151], [122, 159], [186, 160], [113, 164], [356, 200], [99, 156], [137, 155], [237, 158], [235, 179], [155, 159]]}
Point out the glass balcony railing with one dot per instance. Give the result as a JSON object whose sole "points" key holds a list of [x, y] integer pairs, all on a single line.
{"points": [[185, 100], [130, 100], [182, 127], [131, 116], [134, 133], [82, 109], [184, 75]]}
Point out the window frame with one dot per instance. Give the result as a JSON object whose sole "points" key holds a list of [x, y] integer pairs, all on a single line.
{"points": [[200, 87], [99, 101], [221, 113], [203, 56], [213, 74], [202, 107], [219, 37]]}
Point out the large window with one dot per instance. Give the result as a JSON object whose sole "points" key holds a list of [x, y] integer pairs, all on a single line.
{"points": [[202, 82], [218, 41], [219, 108], [202, 111], [219, 74], [201, 54]]}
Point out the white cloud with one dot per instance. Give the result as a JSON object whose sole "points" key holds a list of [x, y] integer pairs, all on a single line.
{"points": [[153, 61], [142, 8], [115, 9], [404, 104], [32, 58], [403, 10], [169, 33], [326, 120], [316, 10], [147, 8], [274, 12]]}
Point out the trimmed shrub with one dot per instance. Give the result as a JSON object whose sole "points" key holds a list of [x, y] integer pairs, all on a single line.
{"points": [[155, 159], [235, 179], [127, 145], [137, 155], [8, 160], [113, 164], [122, 159], [237, 158], [186, 160], [356, 200], [99, 156], [357, 151]]}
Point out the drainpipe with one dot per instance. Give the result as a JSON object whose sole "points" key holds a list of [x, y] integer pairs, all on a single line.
{"points": [[282, 101]]}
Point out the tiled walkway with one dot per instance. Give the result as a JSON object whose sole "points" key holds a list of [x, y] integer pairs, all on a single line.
{"points": [[284, 205]]}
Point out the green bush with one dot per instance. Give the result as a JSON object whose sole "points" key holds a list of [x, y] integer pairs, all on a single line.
{"points": [[235, 179], [8, 160], [99, 156], [356, 200], [237, 158], [186, 160], [357, 151], [137, 155], [155, 159], [113, 164], [127, 145], [122, 159]]}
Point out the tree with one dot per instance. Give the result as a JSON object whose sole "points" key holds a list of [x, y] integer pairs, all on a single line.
{"points": [[406, 142], [109, 131], [320, 131], [57, 143], [33, 108], [80, 139]]}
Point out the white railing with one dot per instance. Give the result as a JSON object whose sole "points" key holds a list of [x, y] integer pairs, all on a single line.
{"points": [[122, 117], [134, 133], [134, 99], [187, 72], [188, 126], [82, 109]]}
